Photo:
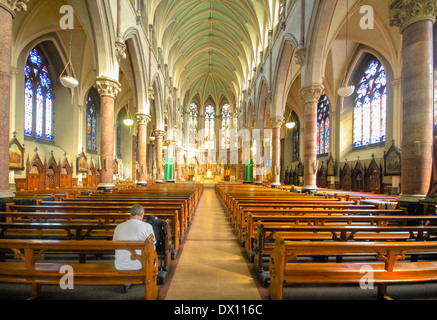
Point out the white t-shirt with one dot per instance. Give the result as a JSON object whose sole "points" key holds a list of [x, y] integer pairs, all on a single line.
{"points": [[131, 230]]}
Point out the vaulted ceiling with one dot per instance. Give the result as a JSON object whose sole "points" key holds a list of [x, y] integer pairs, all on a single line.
{"points": [[212, 46]]}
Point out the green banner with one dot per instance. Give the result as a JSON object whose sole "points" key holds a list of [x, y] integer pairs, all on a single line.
{"points": [[168, 173], [248, 172]]}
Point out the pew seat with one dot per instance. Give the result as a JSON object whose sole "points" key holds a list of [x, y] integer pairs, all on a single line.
{"points": [[29, 266], [392, 267]]}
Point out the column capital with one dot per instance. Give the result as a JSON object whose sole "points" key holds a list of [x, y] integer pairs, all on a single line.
{"points": [[159, 134], [120, 49], [301, 55], [403, 13], [107, 87], [143, 119], [277, 122], [311, 92], [14, 5], [151, 94]]}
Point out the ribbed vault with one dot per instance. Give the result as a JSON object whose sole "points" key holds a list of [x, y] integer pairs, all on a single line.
{"points": [[212, 46]]}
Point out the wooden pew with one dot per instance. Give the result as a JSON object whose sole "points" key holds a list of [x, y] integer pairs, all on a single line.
{"points": [[392, 266], [128, 198], [150, 210], [237, 215], [245, 232], [99, 225], [261, 246], [29, 268], [147, 204], [190, 189], [77, 231], [266, 232], [57, 193]]}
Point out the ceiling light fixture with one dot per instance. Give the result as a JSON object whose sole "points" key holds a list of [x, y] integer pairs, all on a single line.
{"points": [[347, 89], [66, 80]]}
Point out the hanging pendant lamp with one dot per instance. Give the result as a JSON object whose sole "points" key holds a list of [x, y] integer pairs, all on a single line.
{"points": [[128, 120], [66, 80]]}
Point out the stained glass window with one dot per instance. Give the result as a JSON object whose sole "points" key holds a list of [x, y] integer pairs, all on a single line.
{"points": [[296, 136], [371, 106], [49, 115], [209, 127], [28, 109], [435, 108], [91, 124], [323, 125], [236, 128], [226, 126], [193, 123], [38, 98]]}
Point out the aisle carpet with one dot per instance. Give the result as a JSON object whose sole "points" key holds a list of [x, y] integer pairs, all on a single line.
{"points": [[211, 265]]}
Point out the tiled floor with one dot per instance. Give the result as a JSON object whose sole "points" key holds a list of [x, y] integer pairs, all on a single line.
{"points": [[211, 265]]}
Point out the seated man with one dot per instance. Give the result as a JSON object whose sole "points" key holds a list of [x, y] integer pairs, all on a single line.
{"points": [[135, 229], [293, 189]]}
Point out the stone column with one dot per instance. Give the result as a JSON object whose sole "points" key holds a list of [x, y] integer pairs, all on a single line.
{"points": [[7, 14], [134, 159], [415, 18], [310, 95], [159, 135], [142, 120], [259, 158], [276, 124], [108, 90]]}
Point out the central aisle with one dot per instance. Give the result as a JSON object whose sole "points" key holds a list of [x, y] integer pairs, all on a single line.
{"points": [[211, 265]]}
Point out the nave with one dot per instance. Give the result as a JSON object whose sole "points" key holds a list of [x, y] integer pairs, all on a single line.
{"points": [[211, 263], [210, 266]]}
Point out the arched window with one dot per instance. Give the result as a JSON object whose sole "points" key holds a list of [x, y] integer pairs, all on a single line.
{"points": [[236, 128], [193, 123], [119, 141], [371, 105], [209, 127], [226, 126], [435, 107], [296, 136], [91, 121], [38, 98], [323, 125]]}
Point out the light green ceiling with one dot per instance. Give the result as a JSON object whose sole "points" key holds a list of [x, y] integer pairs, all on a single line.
{"points": [[211, 46]]}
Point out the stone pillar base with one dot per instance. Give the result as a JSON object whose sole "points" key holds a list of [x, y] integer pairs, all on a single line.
{"points": [[310, 189], [106, 187], [6, 196], [275, 185], [411, 203]]}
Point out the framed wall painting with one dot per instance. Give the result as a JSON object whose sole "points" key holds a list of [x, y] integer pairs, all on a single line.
{"points": [[81, 165], [16, 155], [392, 161]]}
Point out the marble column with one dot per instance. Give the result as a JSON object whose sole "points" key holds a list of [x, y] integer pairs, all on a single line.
{"points": [[108, 90], [7, 14], [276, 124], [415, 18], [259, 158], [134, 159], [159, 135], [310, 95], [142, 120]]}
